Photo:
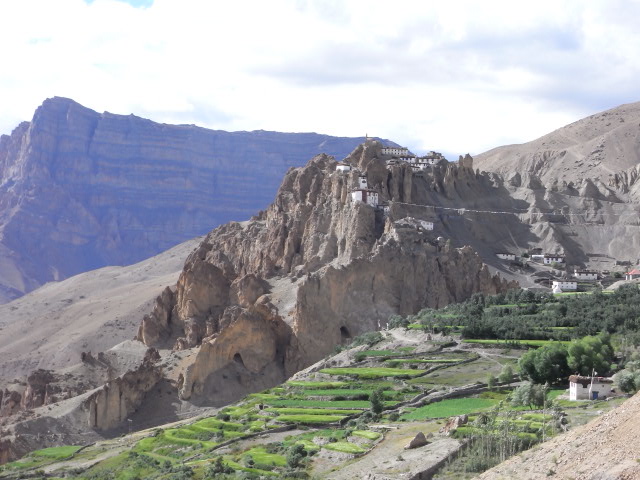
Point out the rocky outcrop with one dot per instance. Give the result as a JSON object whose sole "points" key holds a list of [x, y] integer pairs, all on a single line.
{"points": [[110, 405], [268, 297], [80, 190]]}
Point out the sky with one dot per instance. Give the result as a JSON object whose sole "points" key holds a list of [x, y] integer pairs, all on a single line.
{"points": [[453, 76]]}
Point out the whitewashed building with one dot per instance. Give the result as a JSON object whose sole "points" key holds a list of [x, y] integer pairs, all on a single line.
{"points": [[364, 195], [564, 286], [585, 275], [550, 258], [343, 167], [395, 151], [506, 256], [362, 182], [632, 274], [589, 388], [426, 225]]}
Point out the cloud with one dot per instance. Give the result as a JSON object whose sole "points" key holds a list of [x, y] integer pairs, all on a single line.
{"points": [[456, 76]]}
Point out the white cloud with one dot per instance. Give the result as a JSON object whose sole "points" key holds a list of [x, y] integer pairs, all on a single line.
{"points": [[455, 76]]}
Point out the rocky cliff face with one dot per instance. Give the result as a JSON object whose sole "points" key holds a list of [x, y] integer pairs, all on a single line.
{"points": [[80, 190], [267, 297]]}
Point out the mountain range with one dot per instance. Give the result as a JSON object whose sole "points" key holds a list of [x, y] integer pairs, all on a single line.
{"points": [[80, 190], [256, 301]]}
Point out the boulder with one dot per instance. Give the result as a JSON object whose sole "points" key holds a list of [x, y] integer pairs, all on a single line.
{"points": [[453, 423], [418, 441]]}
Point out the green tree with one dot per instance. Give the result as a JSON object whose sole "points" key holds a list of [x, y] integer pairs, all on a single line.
{"points": [[506, 375], [529, 395], [377, 401], [545, 364], [589, 354], [491, 381]]}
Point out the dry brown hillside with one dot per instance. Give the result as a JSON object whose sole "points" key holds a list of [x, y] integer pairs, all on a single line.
{"points": [[606, 448], [596, 146]]}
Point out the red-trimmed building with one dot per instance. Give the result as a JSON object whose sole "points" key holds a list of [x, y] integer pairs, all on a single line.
{"points": [[632, 274]]}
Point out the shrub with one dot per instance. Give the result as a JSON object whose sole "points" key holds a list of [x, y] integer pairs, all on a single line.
{"points": [[506, 375], [396, 321], [225, 417], [295, 456]]}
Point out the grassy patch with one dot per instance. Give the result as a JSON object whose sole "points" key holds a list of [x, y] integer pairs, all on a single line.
{"points": [[347, 392], [311, 411], [451, 407], [310, 419], [529, 343], [56, 453], [344, 447], [310, 385], [371, 372], [368, 434], [260, 455], [333, 404]]}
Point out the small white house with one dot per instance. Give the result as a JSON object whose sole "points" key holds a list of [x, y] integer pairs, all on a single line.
{"points": [[564, 286], [506, 256], [362, 182], [550, 258], [364, 195], [585, 274], [343, 167], [426, 225], [632, 274], [589, 388], [537, 258]]}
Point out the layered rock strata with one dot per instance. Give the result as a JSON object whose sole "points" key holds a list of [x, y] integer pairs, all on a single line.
{"points": [[81, 190]]}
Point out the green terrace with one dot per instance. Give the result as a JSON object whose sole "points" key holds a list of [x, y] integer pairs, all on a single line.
{"points": [[512, 342]]}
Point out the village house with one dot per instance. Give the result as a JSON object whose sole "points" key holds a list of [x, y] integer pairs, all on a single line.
{"points": [[506, 256], [559, 286], [343, 167], [550, 258], [589, 388], [632, 274], [585, 274]]}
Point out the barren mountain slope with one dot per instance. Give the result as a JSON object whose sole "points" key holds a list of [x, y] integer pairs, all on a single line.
{"points": [[92, 311], [598, 146], [80, 190], [606, 448]]}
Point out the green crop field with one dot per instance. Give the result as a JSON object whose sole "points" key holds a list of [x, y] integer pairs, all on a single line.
{"points": [[348, 392], [319, 385], [530, 343], [311, 411], [335, 404], [309, 419], [368, 434], [451, 407], [372, 372], [344, 447]]}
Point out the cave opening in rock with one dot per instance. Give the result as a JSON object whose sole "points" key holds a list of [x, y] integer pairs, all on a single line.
{"points": [[344, 334], [238, 359]]}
